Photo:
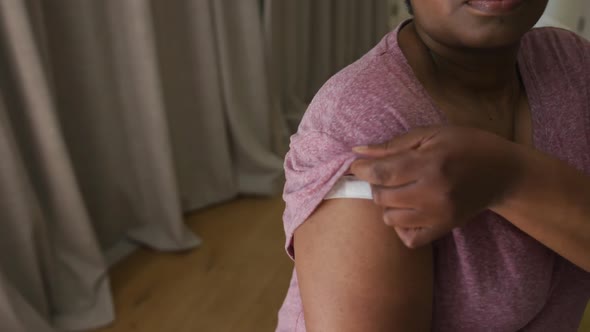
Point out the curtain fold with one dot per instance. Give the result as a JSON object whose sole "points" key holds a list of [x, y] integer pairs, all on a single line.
{"points": [[248, 106], [117, 116], [137, 85], [24, 269], [189, 67], [60, 275], [308, 41]]}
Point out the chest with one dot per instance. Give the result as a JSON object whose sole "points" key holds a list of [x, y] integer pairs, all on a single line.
{"points": [[559, 127], [512, 123]]}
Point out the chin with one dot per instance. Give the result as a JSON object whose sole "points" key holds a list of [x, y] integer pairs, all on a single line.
{"points": [[490, 40], [492, 35], [498, 31]]}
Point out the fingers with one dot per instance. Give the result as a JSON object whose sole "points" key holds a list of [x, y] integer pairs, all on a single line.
{"points": [[393, 171], [408, 141], [417, 237], [411, 217], [411, 237], [398, 171], [404, 218], [407, 196]]}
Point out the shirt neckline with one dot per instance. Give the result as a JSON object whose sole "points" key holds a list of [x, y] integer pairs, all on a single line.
{"points": [[527, 77]]}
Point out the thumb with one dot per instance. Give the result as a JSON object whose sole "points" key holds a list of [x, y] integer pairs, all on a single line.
{"points": [[408, 141]]}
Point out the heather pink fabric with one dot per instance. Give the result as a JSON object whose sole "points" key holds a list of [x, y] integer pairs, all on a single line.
{"points": [[489, 276]]}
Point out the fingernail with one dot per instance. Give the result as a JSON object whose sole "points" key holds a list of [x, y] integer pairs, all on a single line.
{"points": [[361, 148]]}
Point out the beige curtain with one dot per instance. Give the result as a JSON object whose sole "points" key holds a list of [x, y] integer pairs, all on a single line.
{"points": [[118, 115], [310, 40]]}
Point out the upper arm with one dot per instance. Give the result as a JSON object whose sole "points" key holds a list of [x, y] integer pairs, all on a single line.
{"points": [[356, 275]]}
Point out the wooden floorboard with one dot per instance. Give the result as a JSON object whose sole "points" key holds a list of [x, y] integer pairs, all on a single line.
{"points": [[235, 281], [585, 327]]}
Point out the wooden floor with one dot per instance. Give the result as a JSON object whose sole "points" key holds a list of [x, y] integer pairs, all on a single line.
{"points": [[235, 282], [585, 327]]}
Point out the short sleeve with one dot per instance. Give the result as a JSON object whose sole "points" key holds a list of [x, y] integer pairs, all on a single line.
{"points": [[313, 165], [369, 102]]}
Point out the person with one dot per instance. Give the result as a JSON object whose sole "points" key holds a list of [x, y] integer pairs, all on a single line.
{"points": [[472, 132]]}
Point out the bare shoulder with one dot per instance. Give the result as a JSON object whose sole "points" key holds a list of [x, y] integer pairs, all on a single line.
{"points": [[356, 275]]}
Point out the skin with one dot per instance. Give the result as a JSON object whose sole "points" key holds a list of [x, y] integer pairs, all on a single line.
{"points": [[430, 181], [434, 179], [357, 273]]}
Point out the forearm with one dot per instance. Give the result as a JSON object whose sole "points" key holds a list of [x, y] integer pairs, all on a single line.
{"points": [[551, 203]]}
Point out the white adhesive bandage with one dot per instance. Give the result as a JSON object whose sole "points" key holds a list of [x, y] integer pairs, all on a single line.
{"points": [[350, 187]]}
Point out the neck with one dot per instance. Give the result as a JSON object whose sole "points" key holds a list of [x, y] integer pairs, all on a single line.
{"points": [[484, 72]]}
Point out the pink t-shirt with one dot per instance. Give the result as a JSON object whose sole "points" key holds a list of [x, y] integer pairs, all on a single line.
{"points": [[489, 276]]}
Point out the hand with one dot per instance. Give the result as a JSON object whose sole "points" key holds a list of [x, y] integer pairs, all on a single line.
{"points": [[432, 180]]}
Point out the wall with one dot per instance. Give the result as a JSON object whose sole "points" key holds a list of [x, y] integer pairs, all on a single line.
{"points": [[398, 12], [569, 14]]}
